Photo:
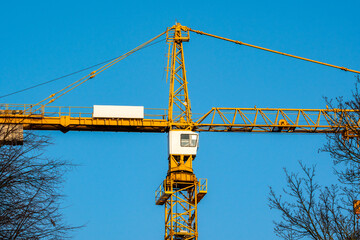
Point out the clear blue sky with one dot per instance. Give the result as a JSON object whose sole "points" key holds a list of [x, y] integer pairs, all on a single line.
{"points": [[112, 190]]}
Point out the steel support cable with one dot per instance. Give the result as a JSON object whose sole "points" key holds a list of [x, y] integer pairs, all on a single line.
{"points": [[273, 51], [90, 76], [69, 74]]}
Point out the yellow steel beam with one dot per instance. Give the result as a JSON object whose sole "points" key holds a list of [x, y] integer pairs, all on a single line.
{"points": [[66, 123], [89, 76], [79, 119], [179, 102], [216, 120], [270, 50], [273, 120]]}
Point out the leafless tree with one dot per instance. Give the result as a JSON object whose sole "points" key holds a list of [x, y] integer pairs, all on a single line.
{"points": [[311, 211], [30, 188], [343, 146]]}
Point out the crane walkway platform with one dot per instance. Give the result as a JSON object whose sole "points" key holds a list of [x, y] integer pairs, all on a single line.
{"points": [[164, 192]]}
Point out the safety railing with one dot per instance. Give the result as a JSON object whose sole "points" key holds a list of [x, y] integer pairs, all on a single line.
{"points": [[76, 112], [162, 190], [159, 192], [202, 187]]}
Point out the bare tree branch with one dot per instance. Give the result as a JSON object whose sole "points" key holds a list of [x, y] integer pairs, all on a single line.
{"points": [[30, 188], [310, 211]]}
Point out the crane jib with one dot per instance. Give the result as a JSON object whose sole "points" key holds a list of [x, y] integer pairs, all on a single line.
{"points": [[182, 125]]}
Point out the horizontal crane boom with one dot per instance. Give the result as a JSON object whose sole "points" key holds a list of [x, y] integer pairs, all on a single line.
{"points": [[216, 120]]}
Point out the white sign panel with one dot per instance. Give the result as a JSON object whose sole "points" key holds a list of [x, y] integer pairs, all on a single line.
{"points": [[108, 111]]}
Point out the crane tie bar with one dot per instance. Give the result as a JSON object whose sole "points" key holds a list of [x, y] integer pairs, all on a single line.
{"points": [[86, 78], [273, 51]]}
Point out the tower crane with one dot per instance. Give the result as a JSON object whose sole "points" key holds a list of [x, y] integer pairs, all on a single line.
{"points": [[181, 191]]}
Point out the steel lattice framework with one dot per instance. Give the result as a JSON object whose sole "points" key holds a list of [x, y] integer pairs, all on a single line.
{"points": [[156, 120], [179, 103], [181, 191]]}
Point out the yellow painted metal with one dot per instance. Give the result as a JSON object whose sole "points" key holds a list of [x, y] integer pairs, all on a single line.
{"points": [[80, 119], [181, 191], [89, 76], [180, 199], [273, 51], [180, 163], [179, 102], [181, 213], [356, 207], [216, 120], [273, 120]]}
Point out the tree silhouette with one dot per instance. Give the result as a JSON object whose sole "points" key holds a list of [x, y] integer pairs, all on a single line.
{"points": [[30, 187], [311, 211]]}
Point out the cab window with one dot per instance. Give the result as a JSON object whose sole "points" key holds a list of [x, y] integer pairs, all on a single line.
{"points": [[188, 140]]}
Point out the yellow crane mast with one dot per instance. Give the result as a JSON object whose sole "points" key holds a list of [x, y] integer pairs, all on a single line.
{"points": [[181, 191]]}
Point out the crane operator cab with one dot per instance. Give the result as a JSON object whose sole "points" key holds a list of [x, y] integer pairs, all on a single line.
{"points": [[183, 143]]}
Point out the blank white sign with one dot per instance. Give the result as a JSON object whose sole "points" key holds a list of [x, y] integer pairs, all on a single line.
{"points": [[108, 111]]}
